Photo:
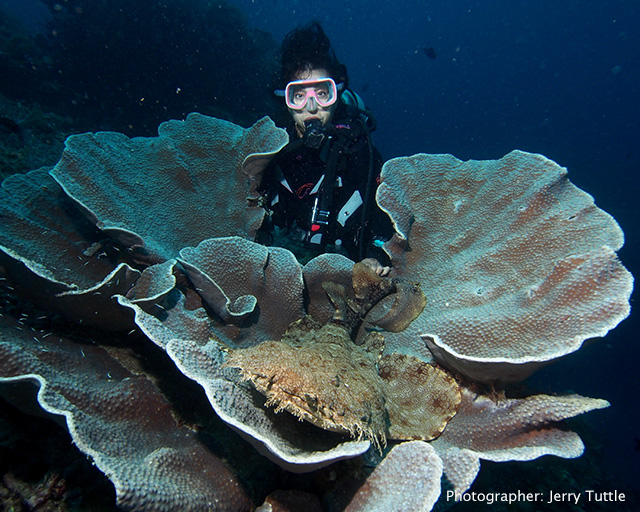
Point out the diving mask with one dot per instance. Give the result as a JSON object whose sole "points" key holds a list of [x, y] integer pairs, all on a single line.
{"points": [[298, 93]]}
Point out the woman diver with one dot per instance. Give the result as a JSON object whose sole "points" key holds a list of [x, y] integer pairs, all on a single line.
{"points": [[319, 189]]}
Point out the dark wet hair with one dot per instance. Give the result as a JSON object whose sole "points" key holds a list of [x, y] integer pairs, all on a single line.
{"points": [[307, 48]]}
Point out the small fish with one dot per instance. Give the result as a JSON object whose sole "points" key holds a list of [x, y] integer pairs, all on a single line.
{"points": [[430, 52]]}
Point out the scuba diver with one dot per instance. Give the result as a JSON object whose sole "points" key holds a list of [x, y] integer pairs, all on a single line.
{"points": [[319, 190]]}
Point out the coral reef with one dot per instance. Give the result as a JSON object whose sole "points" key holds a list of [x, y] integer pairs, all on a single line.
{"points": [[40, 470], [511, 268], [472, 437], [109, 176]]}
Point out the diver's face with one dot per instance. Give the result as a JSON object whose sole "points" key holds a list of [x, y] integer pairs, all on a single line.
{"points": [[312, 110]]}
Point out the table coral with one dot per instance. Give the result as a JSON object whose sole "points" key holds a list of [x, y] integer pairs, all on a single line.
{"points": [[115, 180], [121, 420], [519, 265], [407, 479], [513, 265], [478, 432], [58, 258]]}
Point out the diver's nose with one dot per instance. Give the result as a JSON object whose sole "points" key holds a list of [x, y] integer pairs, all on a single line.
{"points": [[312, 105]]}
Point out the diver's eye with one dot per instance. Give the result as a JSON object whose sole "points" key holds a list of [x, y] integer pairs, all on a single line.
{"points": [[298, 97], [322, 93]]}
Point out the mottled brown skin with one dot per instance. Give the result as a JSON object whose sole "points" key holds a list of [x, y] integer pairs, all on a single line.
{"points": [[320, 376], [420, 398], [317, 373]]}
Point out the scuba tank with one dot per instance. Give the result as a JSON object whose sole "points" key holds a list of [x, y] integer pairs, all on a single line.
{"points": [[356, 107]]}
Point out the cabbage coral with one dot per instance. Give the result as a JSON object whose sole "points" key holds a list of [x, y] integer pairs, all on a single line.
{"points": [[517, 267]]}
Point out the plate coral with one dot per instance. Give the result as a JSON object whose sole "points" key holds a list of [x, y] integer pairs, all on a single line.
{"points": [[499, 267]]}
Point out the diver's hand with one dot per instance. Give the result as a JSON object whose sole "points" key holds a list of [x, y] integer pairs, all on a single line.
{"points": [[376, 266]]}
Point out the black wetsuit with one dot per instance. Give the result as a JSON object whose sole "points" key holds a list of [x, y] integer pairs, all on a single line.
{"points": [[294, 183]]}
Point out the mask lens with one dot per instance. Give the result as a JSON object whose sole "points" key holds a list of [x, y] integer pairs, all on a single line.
{"points": [[298, 93], [323, 94]]}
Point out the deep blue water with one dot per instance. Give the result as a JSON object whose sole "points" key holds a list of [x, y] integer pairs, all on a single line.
{"points": [[553, 77]]}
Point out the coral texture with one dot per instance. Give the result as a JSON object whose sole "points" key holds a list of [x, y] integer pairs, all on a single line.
{"points": [[407, 479], [122, 421], [61, 261], [477, 432], [518, 264], [234, 275], [119, 180]]}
